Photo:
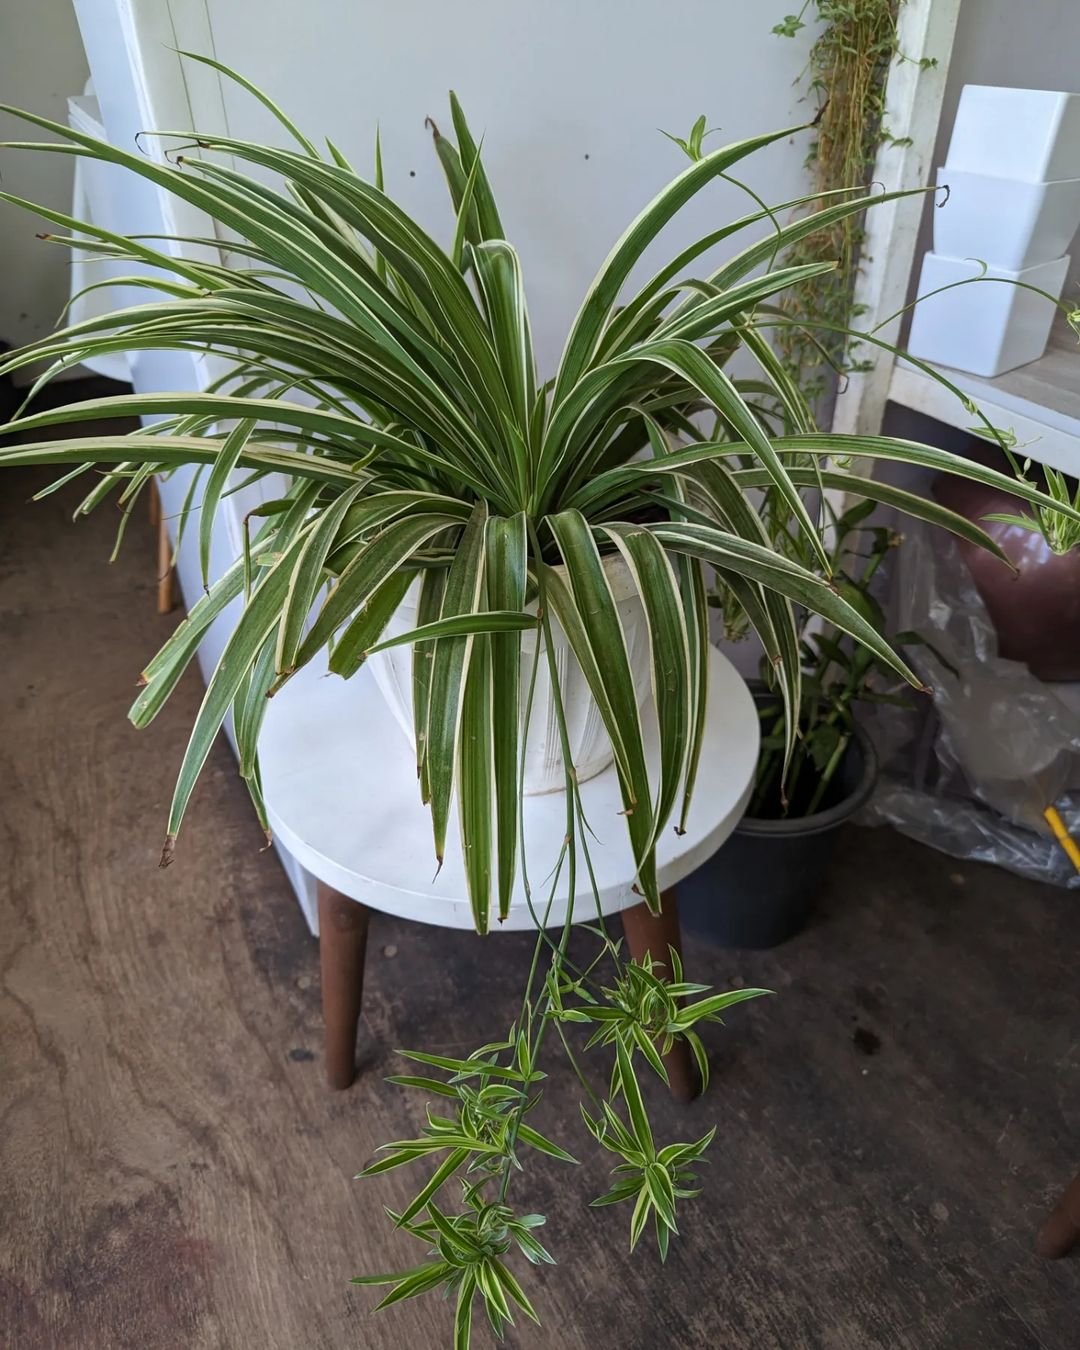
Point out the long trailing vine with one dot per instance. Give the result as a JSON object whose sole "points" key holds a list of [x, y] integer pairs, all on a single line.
{"points": [[846, 72]]}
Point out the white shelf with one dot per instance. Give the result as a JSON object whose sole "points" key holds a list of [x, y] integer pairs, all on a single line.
{"points": [[1039, 402]]}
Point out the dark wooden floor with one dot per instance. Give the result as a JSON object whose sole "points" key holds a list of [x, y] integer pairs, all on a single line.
{"points": [[174, 1174]]}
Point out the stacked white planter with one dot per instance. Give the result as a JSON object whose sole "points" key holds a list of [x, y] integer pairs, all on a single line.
{"points": [[1013, 175]]}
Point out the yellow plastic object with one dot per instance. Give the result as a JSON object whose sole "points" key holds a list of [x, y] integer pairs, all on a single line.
{"points": [[1062, 835]]}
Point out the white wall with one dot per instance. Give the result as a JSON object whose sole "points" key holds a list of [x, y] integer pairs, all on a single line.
{"points": [[41, 64], [569, 95]]}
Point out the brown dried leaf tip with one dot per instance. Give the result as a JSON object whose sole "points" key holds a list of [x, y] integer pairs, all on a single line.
{"points": [[168, 852]]}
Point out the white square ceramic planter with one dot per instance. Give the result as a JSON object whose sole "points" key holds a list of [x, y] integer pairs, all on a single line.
{"points": [[987, 326], [1003, 221], [1032, 134]]}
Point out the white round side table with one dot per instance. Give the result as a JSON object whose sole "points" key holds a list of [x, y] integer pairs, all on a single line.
{"points": [[339, 779]]}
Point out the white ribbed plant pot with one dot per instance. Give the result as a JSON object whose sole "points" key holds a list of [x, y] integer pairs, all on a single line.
{"points": [[590, 747], [983, 327], [1005, 222], [1027, 134]]}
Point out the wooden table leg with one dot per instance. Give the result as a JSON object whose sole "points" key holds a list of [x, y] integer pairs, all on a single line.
{"points": [[654, 934], [166, 598], [1061, 1231], [343, 930]]}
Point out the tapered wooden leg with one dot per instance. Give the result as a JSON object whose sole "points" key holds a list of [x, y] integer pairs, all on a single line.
{"points": [[343, 930], [1061, 1231], [655, 933], [166, 597]]}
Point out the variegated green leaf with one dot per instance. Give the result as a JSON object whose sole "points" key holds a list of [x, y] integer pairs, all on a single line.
{"points": [[231, 450], [506, 569], [363, 632], [475, 771], [449, 667], [257, 623], [461, 625], [385, 555], [309, 575], [604, 291], [669, 656], [429, 607], [796, 582], [596, 635]]}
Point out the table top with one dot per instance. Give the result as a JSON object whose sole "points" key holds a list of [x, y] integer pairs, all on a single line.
{"points": [[339, 779]]}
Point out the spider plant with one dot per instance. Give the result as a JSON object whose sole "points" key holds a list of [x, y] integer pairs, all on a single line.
{"points": [[392, 382], [1061, 532]]}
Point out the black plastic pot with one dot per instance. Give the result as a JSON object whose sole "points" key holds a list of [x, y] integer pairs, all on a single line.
{"points": [[760, 888]]}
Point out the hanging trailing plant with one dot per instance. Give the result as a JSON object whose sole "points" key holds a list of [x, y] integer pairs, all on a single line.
{"points": [[845, 73]]}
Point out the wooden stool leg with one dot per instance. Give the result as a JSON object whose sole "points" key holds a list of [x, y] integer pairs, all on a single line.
{"points": [[343, 930], [1061, 1231], [655, 933], [166, 598]]}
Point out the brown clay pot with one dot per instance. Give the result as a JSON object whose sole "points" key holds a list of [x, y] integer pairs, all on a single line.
{"points": [[1036, 612]]}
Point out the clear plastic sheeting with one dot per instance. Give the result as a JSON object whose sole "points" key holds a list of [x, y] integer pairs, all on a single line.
{"points": [[971, 769]]}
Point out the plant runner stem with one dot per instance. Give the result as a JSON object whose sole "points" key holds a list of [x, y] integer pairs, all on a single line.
{"points": [[571, 842]]}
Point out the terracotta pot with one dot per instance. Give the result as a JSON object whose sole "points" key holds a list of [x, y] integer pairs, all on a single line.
{"points": [[1036, 612]]}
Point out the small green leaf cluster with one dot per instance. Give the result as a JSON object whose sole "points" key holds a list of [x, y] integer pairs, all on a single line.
{"points": [[467, 1263], [691, 146], [790, 24], [480, 1135], [654, 1179], [644, 1011], [1060, 531]]}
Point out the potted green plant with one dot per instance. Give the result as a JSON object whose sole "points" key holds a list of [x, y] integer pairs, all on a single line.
{"points": [[392, 382], [759, 889]]}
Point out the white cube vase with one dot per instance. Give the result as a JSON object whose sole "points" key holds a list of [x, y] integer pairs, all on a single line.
{"points": [[1029, 134], [987, 326], [1005, 222], [590, 747]]}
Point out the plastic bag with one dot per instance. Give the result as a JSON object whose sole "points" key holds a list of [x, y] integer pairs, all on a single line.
{"points": [[971, 769]]}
